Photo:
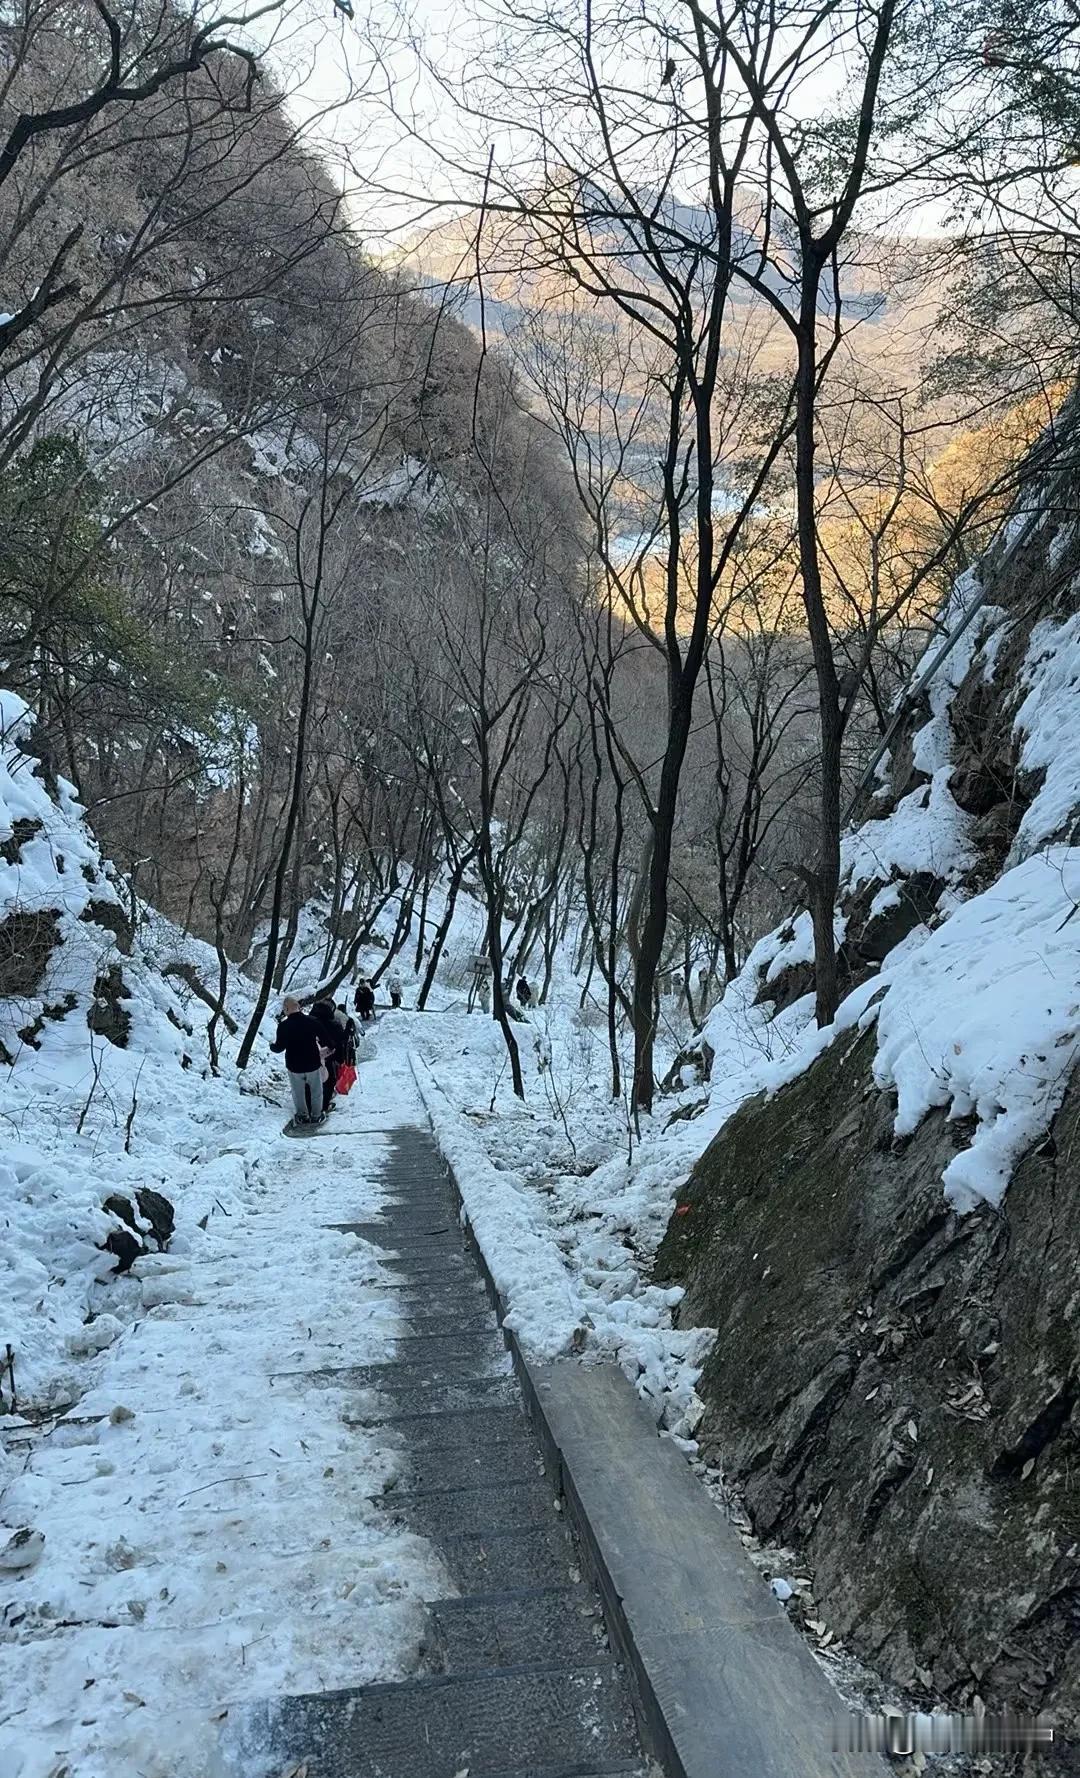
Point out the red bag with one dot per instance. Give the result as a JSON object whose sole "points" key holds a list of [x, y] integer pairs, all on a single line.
{"points": [[346, 1079]]}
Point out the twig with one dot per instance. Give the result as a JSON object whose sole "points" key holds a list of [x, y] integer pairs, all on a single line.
{"points": [[258, 1476], [95, 1057], [129, 1122]]}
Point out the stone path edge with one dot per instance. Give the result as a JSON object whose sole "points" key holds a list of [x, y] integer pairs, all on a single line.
{"points": [[685, 1711]]}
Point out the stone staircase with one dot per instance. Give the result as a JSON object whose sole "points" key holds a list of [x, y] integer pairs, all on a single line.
{"points": [[519, 1681]]}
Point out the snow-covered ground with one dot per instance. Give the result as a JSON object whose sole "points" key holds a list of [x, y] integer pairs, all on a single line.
{"points": [[181, 1524], [211, 1529]]}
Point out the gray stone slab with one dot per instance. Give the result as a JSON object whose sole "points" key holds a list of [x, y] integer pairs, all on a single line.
{"points": [[393, 1239], [419, 1192], [461, 1430], [492, 1506], [388, 1404], [486, 1561], [515, 1457], [614, 1768], [462, 1287], [729, 1687], [449, 1264], [430, 1322], [548, 1723], [417, 1213], [464, 1292], [477, 1344], [546, 1624], [413, 1372]]}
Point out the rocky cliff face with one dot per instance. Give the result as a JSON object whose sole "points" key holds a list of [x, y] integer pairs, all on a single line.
{"points": [[886, 1235]]}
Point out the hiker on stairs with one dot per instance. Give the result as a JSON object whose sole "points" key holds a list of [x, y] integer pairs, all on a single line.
{"points": [[298, 1039], [334, 1047]]}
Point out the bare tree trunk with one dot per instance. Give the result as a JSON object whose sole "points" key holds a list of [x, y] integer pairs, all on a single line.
{"points": [[311, 597], [442, 931]]}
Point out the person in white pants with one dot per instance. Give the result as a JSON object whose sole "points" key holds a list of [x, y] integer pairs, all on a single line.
{"points": [[298, 1039]]}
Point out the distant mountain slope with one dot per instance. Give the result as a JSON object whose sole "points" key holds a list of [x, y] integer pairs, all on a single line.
{"points": [[888, 300]]}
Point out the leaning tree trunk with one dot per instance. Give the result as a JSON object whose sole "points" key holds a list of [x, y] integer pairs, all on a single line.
{"points": [[824, 880]]}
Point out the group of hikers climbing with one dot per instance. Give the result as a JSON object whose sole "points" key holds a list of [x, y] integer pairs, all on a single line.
{"points": [[320, 1047]]}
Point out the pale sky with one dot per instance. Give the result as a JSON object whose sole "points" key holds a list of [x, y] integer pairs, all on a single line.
{"points": [[338, 85]]}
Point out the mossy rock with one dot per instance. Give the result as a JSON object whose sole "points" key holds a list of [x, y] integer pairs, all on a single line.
{"points": [[107, 1016], [22, 831], [894, 1388], [112, 916], [27, 942]]}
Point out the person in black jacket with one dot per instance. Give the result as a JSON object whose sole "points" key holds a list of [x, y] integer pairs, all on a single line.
{"points": [[298, 1039], [365, 1000], [332, 1039], [352, 1035]]}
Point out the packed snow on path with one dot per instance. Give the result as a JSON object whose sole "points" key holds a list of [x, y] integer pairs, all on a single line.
{"points": [[211, 1528]]}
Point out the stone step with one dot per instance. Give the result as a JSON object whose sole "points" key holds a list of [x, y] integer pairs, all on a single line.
{"points": [[409, 1223], [464, 1284], [410, 1348], [409, 1231], [620, 1768], [493, 1506], [437, 1200], [448, 1281], [501, 1629], [407, 1246], [532, 1722], [434, 1267], [461, 1429], [421, 1191], [387, 1405], [488, 1561], [412, 1372], [464, 1292], [514, 1458], [432, 1322]]}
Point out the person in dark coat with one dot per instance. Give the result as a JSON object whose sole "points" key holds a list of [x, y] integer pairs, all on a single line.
{"points": [[352, 1035], [332, 1039], [365, 1000], [524, 992], [298, 1040]]}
